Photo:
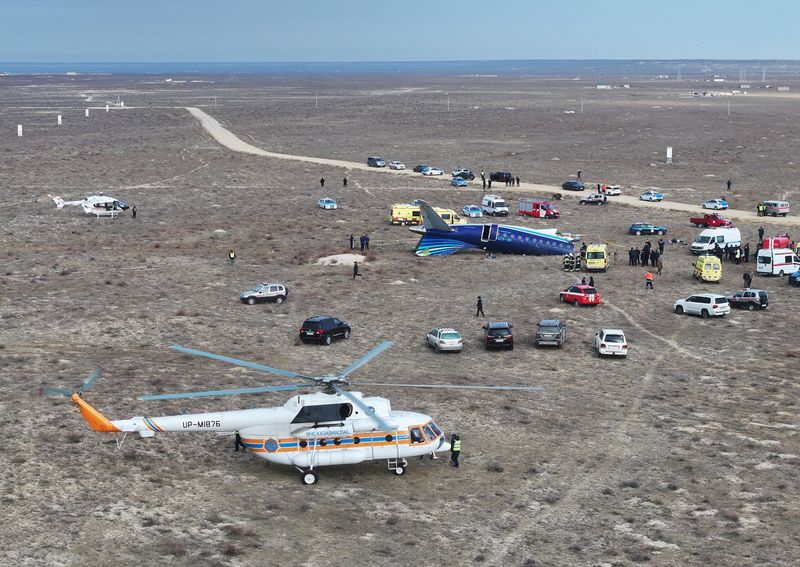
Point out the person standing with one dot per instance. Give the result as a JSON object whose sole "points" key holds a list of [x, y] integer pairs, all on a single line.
{"points": [[479, 311], [661, 245], [761, 234], [355, 271], [366, 242], [455, 449], [483, 180], [237, 442], [630, 256], [362, 241], [352, 241], [648, 280], [579, 175], [737, 255], [659, 265], [729, 184], [517, 178], [747, 253], [489, 183], [636, 256], [591, 281], [747, 278], [231, 255], [322, 182], [344, 182], [133, 212]]}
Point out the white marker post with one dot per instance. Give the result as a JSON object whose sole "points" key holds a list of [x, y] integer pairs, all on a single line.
{"points": [[59, 120], [87, 113], [669, 154], [122, 104], [106, 108], [19, 130]]}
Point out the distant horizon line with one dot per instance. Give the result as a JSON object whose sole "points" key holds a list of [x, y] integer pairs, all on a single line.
{"points": [[389, 61]]}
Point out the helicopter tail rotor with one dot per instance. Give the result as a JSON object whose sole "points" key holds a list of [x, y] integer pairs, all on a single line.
{"points": [[55, 392]]}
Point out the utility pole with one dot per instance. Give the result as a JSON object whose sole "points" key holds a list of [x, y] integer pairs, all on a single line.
{"points": [[316, 100]]}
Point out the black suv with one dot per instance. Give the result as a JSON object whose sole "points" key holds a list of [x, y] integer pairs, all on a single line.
{"points": [[323, 330], [500, 176], [498, 335]]}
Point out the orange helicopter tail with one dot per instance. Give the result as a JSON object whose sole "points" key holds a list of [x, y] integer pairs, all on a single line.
{"points": [[94, 418]]}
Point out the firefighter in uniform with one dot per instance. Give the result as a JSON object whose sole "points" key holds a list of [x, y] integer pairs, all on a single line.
{"points": [[577, 266], [568, 263]]}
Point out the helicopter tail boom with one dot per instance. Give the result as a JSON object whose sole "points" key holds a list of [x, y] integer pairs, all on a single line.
{"points": [[94, 418]]}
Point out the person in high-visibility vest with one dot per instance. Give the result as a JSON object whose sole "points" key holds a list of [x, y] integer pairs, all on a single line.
{"points": [[576, 266], [232, 255], [648, 280], [568, 263], [455, 449]]}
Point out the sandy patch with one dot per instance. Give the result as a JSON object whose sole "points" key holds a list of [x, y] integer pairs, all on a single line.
{"points": [[341, 260]]}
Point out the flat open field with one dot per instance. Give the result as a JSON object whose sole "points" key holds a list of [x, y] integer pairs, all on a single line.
{"points": [[685, 453]]}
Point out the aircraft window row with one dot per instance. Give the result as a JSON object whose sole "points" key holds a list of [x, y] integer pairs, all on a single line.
{"points": [[432, 431]]}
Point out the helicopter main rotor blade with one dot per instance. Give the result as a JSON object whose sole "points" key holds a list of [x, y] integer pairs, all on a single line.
{"points": [[90, 380], [239, 362], [369, 412], [237, 391], [536, 389], [56, 392], [366, 358]]}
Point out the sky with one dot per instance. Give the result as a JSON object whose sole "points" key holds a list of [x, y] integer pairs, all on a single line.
{"points": [[409, 30]]}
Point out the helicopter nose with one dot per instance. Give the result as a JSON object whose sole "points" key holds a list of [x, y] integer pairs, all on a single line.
{"points": [[443, 445]]}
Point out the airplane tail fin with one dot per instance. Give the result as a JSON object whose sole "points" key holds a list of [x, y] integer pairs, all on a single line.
{"points": [[57, 200], [431, 218], [94, 418]]}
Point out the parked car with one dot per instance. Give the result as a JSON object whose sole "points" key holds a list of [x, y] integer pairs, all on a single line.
{"points": [[472, 211], [498, 335], [432, 171], [375, 161], [794, 279], [613, 190], [327, 203], [265, 291], [703, 304], [464, 173], [502, 176], [573, 186], [611, 342], [396, 165], [459, 182], [639, 228], [323, 330], [716, 204], [651, 196], [550, 332], [580, 295], [593, 199], [420, 167], [444, 338], [750, 299]]}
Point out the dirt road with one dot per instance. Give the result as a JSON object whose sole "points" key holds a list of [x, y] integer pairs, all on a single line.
{"points": [[228, 139]]}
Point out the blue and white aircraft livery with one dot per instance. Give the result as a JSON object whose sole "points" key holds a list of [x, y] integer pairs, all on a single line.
{"points": [[440, 239]]}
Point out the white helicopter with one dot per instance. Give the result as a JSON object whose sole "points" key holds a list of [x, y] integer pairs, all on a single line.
{"points": [[333, 427], [99, 205]]}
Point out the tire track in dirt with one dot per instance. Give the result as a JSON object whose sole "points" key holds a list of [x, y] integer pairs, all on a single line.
{"points": [[229, 140], [617, 445]]}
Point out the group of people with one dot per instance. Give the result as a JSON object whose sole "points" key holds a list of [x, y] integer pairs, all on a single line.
{"points": [[734, 253], [509, 181], [761, 210], [363, 242], [572, 262], [648, 255]]}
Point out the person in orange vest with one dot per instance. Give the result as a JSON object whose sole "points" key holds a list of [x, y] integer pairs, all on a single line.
{"points": [[648, 280]]}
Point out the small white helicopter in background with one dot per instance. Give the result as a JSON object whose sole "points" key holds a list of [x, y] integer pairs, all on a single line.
{"points": [[333, 427], [99, 205]]}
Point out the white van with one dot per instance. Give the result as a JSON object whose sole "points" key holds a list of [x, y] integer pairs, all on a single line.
{"points": [[707, 240], [777, 261], [494, 205], [776, 208]]}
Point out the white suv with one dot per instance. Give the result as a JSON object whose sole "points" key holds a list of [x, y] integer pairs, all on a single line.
{"points": [[396, 165], [444, 338], [265, 292], [611, 342], [703, 304]]}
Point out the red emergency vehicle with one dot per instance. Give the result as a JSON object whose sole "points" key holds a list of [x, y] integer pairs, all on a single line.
{"points": [[540, 209], [777, 241]]}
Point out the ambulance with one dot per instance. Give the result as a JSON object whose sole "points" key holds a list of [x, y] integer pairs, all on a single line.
{"points": [[708, 268], [777, 261], [403, 214], [776, 208], [596, 258], [539, 209]]}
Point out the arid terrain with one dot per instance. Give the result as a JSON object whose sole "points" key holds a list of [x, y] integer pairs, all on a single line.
{"points": [[685, 453]]}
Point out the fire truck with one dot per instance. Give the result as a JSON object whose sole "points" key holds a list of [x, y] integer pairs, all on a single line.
{"points": [[541, 209]]}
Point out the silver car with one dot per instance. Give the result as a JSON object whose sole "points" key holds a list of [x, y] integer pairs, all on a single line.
{"points": [[551, 332], [444, 338], [265, 292]]}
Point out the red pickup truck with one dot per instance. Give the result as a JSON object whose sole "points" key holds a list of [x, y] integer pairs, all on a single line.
{"points": [[711, 220]]}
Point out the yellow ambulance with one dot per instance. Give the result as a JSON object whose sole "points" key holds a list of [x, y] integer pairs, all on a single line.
{"points": [[403, 214], [596, 258], [708, 268]]}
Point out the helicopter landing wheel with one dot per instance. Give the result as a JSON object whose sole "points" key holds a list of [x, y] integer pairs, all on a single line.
{"points": [[309, 477], [400, 470]]}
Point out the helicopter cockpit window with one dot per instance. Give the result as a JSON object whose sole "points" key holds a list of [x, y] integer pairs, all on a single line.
{"points": [[429, 433], [416, 435], [435, 428], [323, 413]]}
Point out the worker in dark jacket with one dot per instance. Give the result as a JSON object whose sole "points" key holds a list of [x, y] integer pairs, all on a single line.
{"points": [[455, 449]]}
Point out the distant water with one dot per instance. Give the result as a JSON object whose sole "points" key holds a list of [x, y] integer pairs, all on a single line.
{"points": [[747, 70]]}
